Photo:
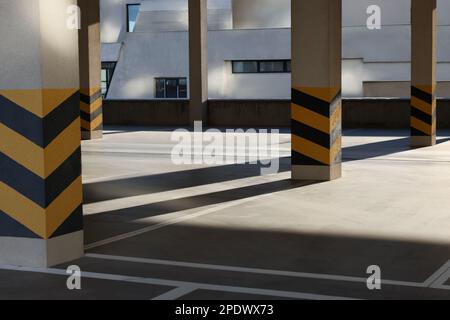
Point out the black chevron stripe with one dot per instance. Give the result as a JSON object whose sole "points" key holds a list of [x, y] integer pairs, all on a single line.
{"points": [[299, 159], [72, 224], [91, 116], [90, 99], [40, 131], [306, 132], [42, 192], [11, 228], [422, 95]]}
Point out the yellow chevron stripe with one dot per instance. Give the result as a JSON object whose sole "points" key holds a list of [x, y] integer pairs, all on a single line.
{"points": [[63, 206], [310, 118], [426, 87], [43, 222], [311, 150], [62, 147], [423, 106], [421, 126], [42, 162], [22, 150], [89, 91], [23, 210], [326, 94], [93, 124], [335, 149], [90, 108], [40, 102], [336, 117]]}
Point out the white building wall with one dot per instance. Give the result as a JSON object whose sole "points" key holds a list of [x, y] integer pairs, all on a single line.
{"points": [[159, 46]]}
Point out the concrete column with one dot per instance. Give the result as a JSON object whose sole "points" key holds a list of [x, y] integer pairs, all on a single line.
{"points": [[90, 70], [40, 159], [423, 72], [316, 89], [198, 60]]}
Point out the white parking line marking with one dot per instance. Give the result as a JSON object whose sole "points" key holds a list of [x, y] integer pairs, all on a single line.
{"points": [[437, 275], [171, 283], [292, 274], [175, 293], [175, 221]]}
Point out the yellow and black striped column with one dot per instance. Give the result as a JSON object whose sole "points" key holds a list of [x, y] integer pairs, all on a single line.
{"points": [[41, 221], [90, 70], [316, 109], [423, 72]]}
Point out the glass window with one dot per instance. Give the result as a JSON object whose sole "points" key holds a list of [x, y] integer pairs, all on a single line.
{"points": [[171, 88], [106, 76], [132, 15], [271, 66], [245, 66], [262, 66]]}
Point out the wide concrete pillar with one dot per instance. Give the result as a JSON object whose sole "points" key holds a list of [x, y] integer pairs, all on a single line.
{"points": [[90, 70], [40, 166], [198, 60], [316, 89], [423, 72]]}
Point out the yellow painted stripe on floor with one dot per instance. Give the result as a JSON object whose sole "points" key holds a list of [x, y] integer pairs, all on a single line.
{"points": [[40, 102], [61, 208], [310, 118], [423, 106], [22, 150], [326, 94], [421, 126], [311, 150], [62, 147], [90, 108], [22, 209]]}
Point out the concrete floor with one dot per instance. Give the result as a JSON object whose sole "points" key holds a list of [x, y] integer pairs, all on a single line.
{"points": [[158, 230]]}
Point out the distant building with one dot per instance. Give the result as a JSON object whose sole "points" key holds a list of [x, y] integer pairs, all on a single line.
{"points": [[145, 49]]}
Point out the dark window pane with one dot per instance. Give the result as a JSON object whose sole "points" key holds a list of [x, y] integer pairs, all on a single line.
{"points": [[245, 66], [182, 88], [132, 14], [288, 66], [106, 76], [160, 92], [271, 66], [171, 88]]}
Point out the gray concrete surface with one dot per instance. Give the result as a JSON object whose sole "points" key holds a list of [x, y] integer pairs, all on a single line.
{"points": [[226, 232]]}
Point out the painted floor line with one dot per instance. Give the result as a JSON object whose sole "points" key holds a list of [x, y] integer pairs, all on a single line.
{"points": [[175, 293], [172, 283], [171, 222], [293, 274], [437, 275]]}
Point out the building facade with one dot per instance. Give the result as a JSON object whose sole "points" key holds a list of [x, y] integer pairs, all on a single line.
{"points": [[145, 49]]}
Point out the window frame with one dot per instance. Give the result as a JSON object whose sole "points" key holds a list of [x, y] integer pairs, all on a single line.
{"points": [[109, 79], [258, 62], [165, 90], [128, 15]]}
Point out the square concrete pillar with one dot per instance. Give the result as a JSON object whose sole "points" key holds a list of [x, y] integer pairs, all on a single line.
{"points": [[40, 159], [90, 70], [198, 60], [423, 72], [316, 108]]}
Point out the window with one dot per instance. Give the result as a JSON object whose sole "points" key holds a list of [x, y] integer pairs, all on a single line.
{"points": [[171, 88], [262, 66], [106, 76], [132, 15]]}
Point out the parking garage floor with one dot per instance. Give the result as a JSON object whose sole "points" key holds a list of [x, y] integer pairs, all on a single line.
{"points": [[157, 230]]}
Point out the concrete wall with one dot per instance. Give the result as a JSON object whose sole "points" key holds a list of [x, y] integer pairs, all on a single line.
{"points": [[357, 113]]}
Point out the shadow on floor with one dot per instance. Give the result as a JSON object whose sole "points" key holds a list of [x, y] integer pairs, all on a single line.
{"points": [[122, 188], [176, 205]]}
